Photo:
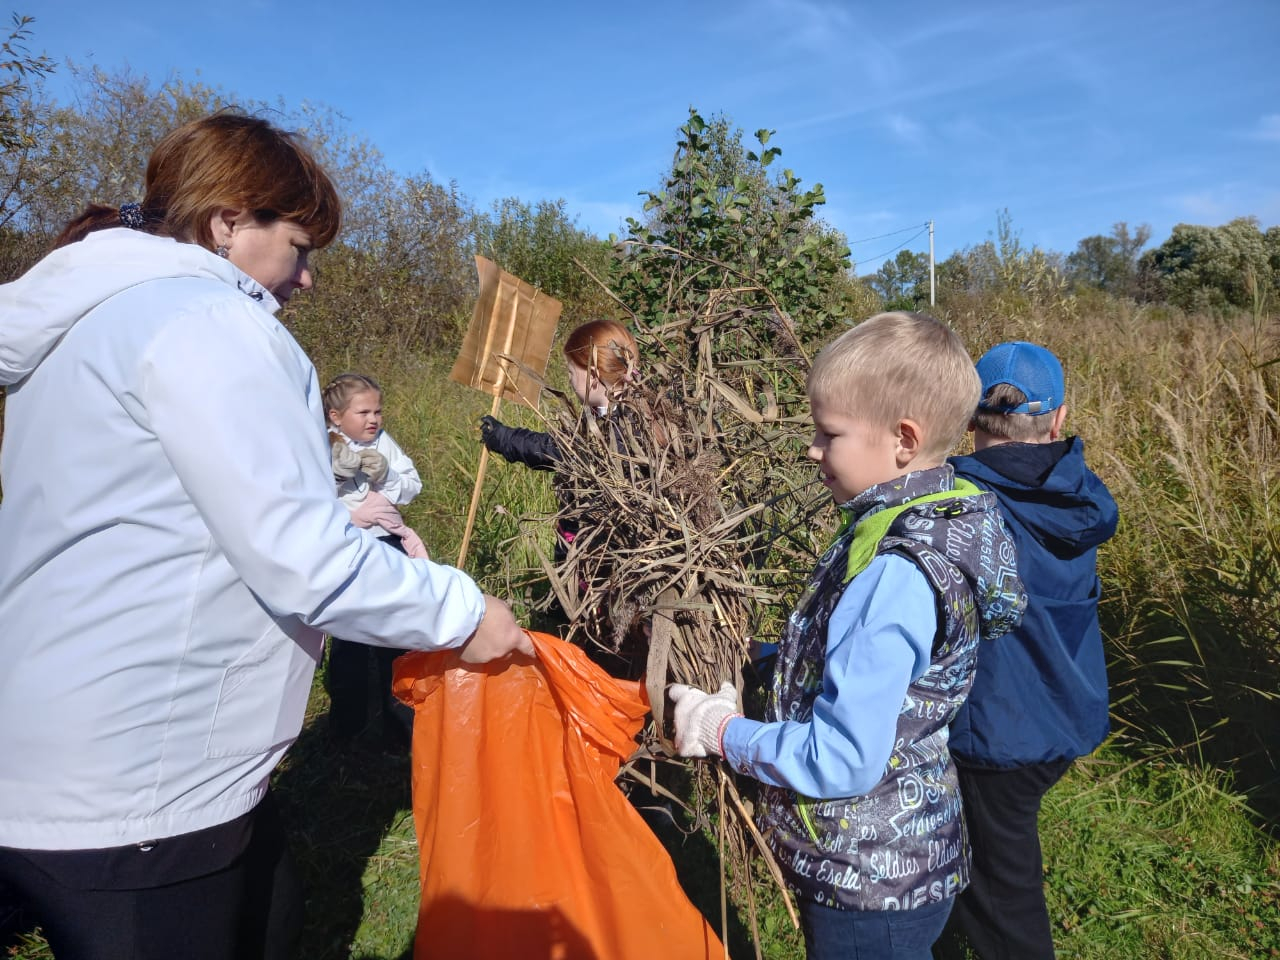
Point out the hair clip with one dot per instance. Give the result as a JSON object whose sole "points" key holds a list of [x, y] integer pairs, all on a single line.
{"points": [[131, 215]]}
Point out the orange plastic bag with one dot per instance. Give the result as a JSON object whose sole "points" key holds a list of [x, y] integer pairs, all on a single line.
{"points": [[528, 848]]}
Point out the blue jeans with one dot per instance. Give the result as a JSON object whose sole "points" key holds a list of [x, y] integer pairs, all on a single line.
{"points": [[831, 934]]}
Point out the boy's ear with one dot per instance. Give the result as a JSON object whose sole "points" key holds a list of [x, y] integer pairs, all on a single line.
{"points": [[910, 441], [1059, 418]]}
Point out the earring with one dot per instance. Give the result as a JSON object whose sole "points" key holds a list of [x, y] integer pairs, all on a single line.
{"points": [[222, 251]]}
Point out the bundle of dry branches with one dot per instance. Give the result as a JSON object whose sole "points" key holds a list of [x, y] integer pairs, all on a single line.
{"points": [[693, 507]]}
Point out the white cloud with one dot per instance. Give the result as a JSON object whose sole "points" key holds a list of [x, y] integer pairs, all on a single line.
{"points": [[842, 41], [1219, 205], [811, 24], [1267, 129], [964, 129], [905, 129], [1197, 208]]}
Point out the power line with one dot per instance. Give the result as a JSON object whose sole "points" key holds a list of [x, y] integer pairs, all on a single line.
{"points": [[921, 231], [883, 235]]}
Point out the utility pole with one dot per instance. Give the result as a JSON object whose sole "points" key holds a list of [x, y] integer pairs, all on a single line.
{"points": [[932, 299]]}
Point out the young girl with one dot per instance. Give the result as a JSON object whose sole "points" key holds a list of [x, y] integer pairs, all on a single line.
{"points": [[374, 476], [601, 356], [371, 470]]}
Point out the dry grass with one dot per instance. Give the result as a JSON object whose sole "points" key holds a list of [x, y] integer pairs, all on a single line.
{"points": [[703, 525], [1182, 420], [694, 520]]}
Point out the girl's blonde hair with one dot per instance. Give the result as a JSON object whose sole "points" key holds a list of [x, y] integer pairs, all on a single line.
{"points": [[605, 348], [338, 392], [901, 366]]}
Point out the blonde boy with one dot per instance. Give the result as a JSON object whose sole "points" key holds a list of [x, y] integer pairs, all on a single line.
{"points": [[860, 802]]}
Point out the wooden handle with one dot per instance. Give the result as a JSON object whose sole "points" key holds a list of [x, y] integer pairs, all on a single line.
{"points": [[475, 492]]}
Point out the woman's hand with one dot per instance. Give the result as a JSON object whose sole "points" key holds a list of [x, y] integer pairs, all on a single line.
{"points": [[497, 636], [376, 511]]}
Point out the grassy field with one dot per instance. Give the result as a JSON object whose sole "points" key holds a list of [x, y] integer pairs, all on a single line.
{"points": [[1158, 846]]}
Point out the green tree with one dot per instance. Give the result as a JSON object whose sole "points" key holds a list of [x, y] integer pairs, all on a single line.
{"points": [[403, 288], [1017, 275], [399, 277], [903, 282], [18, 68], [1234, 265], [1109, 263], [542, 245], [94, 151], [722, 222]]}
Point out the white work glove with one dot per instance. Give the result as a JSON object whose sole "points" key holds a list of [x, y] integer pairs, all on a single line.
{"points": [[346, 462], [700, 718], [373, 465], [375, 510]]}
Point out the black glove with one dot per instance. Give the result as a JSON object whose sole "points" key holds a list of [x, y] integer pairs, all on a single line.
{"points": [[490, 428], [519, 444]]}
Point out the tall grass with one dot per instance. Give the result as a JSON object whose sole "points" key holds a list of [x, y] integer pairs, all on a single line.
{"points": [[1181, 418], [1155, 847], [1156, 859]]}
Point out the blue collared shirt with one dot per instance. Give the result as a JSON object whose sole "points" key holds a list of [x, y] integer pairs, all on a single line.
{"points": [[879, 640]]}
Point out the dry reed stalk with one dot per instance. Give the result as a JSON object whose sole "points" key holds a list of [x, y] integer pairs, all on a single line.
{"points": [[694, 514]]}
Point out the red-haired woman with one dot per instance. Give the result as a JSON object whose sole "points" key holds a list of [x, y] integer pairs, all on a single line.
{"points": [[164, 603]]}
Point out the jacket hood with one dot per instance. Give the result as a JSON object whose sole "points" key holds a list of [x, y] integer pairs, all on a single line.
{"points": [[1053, 494], [997, 592], [38, 308], [964, 526], [987, 564]]}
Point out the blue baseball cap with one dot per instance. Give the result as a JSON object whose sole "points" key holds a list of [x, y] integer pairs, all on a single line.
{"points": [[1028, 367]]}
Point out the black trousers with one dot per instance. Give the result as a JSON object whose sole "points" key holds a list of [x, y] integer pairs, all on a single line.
{"points": [[229, 892], [1002, 912], [348, 685], [347, 680]]}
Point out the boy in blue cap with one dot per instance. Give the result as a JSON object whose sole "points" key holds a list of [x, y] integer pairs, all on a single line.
{"points": [[1040, 696]]}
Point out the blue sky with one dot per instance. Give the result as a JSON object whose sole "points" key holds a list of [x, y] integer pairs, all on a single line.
{"points": [[1072, 115]]}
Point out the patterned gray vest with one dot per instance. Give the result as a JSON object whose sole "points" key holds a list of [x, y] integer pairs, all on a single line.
{"points": [[903, 844]]}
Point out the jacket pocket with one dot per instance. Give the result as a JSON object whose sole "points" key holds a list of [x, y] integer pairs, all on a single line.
{"points": [[262, 698]]}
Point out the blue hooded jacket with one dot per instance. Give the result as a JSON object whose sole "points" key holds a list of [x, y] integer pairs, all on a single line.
{"points": [[1040, 693]]}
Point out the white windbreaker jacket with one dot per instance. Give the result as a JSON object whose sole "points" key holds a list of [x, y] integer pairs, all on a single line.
{"points": [[171, 549], [401, 483]]}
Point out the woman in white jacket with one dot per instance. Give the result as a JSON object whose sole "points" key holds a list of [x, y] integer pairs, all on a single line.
{"points": [[163, 605]]}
